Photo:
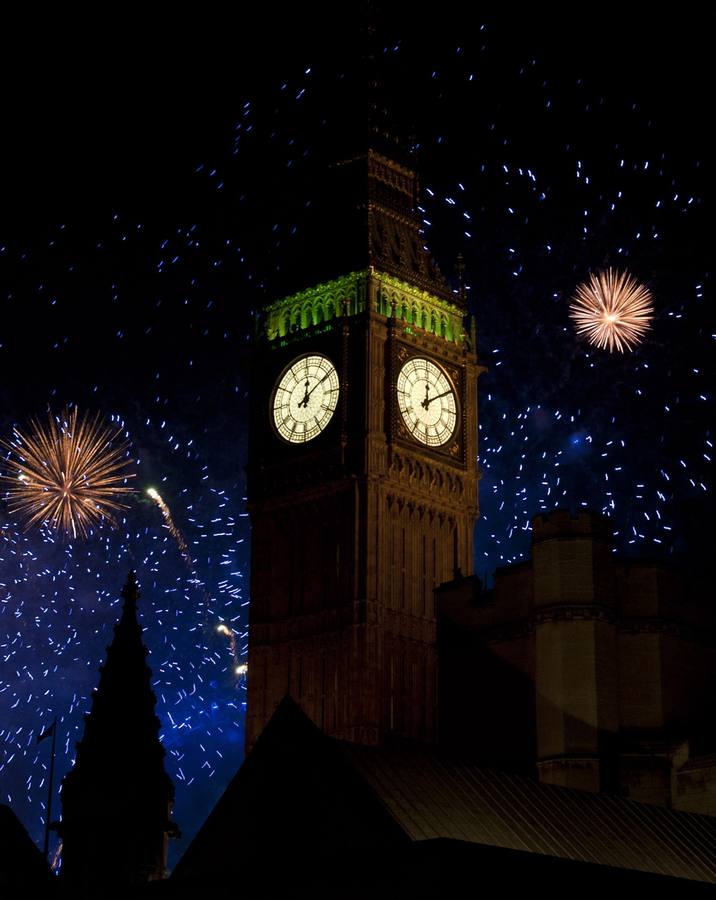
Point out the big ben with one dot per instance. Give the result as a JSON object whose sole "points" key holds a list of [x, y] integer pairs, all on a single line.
{"points": [[362, 474]]}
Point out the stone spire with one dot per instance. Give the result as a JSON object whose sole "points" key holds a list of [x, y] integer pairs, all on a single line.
{"points": [[116, 801]]}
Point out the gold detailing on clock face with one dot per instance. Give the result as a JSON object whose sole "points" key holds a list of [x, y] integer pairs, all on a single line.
{"points": [[305, 398], [427, 402]]}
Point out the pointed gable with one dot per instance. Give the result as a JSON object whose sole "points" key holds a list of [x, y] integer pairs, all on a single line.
{"points": [[296, 796]]}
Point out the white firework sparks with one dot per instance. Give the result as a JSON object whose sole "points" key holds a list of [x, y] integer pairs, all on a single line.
{"points": [[612, 310]]}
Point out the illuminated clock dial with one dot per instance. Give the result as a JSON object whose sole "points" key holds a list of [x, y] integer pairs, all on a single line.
{"points": [[427, 402], [305, 398]]}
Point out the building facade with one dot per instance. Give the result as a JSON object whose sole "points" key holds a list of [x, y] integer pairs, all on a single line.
{"points": [[589, 670]]}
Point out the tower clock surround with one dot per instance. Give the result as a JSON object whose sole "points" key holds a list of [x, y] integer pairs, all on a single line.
{"points": [[427, 401], [305, 398]]}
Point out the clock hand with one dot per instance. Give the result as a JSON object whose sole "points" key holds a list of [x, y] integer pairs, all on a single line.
{"points": [[444, 394], [426, 402], [304, 402], [308, 393]]}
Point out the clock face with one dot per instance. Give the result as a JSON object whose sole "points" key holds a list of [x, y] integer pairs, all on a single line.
{"points": [[305, 398], [427, 402]]}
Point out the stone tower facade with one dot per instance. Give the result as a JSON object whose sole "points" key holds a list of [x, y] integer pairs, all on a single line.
{"points": [[355, 522]]}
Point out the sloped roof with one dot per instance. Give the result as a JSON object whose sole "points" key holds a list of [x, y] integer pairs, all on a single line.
{"points": [[302, 795], [431, 797]]}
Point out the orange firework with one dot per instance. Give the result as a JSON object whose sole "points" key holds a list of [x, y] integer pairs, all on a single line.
{"points": [[612, 310], [67, 474]]}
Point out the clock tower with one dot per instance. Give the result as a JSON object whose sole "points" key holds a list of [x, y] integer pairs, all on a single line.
{"points": [[362, 473]]}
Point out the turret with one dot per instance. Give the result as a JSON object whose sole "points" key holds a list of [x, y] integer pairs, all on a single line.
{"points": [[117, 799]]}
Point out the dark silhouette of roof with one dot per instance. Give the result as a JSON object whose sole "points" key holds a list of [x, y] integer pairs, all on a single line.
{"points": [[432, 797], [22, 866], [302, 799]]}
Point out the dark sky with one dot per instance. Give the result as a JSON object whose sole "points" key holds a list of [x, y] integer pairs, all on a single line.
{"points": [[154, 176]]}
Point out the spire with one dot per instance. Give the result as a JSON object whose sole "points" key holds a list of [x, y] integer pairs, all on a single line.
{"points": [[395, 241], [363, 213], [131, 594], [116, 801], [356, 202], [461, 288], [383, 133]]}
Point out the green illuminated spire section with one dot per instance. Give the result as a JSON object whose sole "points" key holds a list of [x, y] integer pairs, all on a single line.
{"points": [[321, 306]]}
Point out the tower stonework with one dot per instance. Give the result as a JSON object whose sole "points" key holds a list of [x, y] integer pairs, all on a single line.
{"points": [[360, 512]]}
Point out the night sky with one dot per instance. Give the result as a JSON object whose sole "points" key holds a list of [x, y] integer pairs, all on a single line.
{"points": [[152, 185]]}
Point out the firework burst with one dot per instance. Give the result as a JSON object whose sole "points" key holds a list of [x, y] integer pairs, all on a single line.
{"points": [[66, 473], [612, 310]]}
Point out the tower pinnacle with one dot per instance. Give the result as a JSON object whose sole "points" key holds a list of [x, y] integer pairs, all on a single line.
{"points": [[117, 799]]}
